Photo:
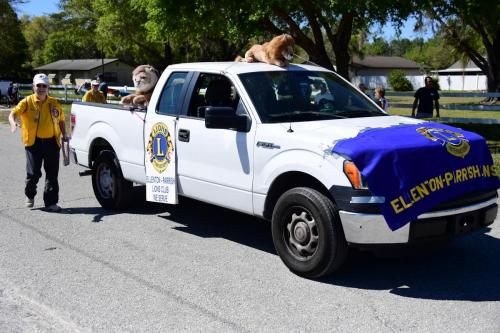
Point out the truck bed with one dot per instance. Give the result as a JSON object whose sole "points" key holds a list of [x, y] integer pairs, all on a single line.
{"points": [[121, 128]]}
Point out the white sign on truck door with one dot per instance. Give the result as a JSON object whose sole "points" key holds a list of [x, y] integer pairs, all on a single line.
{"points": [[161, 175]]}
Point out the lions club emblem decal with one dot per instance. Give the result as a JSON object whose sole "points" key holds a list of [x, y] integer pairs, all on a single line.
{"points": [[160, 147], [456, 144]]}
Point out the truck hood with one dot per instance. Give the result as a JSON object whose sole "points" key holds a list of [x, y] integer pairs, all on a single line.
{"points": [[328, 132]]}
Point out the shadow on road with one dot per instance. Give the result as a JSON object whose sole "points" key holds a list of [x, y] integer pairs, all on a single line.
{"points": [[209, 221], [138, 205], [468, 269]]}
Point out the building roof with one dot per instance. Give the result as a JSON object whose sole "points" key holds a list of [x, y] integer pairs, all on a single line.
{"points": [[459, 67], [76, 64], [384, 62]]}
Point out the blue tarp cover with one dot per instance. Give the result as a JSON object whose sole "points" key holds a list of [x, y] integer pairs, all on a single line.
{"points": [[417, 167]]}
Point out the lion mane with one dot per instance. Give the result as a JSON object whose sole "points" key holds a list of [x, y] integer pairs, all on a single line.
{"points": [[279, 51], [145, 78]]}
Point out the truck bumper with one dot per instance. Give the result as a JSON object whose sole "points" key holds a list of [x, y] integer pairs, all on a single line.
{"points": [[362, 228]]}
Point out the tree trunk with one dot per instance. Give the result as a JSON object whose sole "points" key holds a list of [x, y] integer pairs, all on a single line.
{"points": [[493, 74], [342, 60], [340, 44], [320, 58], [169, 59]]}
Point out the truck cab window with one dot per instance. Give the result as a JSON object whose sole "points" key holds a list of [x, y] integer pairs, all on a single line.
{"points": [[169, 100], [212, 90]]}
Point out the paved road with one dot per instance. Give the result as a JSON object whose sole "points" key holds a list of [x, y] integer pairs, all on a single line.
{"points": [[195, 267]]}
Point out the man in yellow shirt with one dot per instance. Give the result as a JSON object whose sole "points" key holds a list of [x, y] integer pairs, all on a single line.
{"points": [[42, 124], [94, 95]]}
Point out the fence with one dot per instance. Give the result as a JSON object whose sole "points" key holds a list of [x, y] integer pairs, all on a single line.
{"points": [[446, 82], [373, 81], [458, 107], [66, 93]]}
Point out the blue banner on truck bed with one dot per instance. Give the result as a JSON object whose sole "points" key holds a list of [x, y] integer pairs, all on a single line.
{"points": [[417, 167]]}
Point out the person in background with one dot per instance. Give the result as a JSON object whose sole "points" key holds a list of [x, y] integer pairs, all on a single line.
{"points": [[83, 88], [364, 89], [94, 95], [425, 97], [323, 95], [12, 95], [43, 124], [380, 98], [103, 86]]}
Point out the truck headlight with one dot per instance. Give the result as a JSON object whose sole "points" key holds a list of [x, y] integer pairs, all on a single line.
{"points": [[354, 176]]}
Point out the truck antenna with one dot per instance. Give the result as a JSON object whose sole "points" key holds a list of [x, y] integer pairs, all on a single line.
{"points": [[290, 130]]}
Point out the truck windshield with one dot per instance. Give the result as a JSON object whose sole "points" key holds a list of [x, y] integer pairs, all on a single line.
{"points": [[290, 96]]}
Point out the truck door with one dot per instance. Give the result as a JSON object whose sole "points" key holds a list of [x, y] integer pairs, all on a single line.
{"points": [[160, 139], [214, 165]]}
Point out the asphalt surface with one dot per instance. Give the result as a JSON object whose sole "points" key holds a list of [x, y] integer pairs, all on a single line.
{"points": [[198, 268]]}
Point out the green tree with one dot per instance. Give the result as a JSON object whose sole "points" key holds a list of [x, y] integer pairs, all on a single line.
{"points": [[59, 36], [117, 29], [313, 24], [400, 46], [36, 31], [63, 45], [13, 48], [198, 30], [378, 47], [398, 81], [433, 54], [121, 32], [456, 18]]}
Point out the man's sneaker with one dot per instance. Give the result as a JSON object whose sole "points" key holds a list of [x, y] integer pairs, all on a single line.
{"points": [[29, 202], [54, 208]]}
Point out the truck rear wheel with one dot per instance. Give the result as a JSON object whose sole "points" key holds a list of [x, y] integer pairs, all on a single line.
{"points": [[307, 233], [110, 188]]}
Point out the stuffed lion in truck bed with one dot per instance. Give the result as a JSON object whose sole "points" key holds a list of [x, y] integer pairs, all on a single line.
{"points": [[145, 78]]}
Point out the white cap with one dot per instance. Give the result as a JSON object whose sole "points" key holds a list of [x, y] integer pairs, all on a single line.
{"points": [[41, 78], [94, 83]]}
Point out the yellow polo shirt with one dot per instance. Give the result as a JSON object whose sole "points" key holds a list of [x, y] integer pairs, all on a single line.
{"points": [[39, 119], [94, 97]]}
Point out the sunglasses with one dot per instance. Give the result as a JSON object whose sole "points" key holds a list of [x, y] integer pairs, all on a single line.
{"points": [[39, 85]]}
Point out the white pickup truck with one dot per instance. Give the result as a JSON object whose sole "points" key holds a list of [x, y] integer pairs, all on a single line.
{"points": [[258, 139]]}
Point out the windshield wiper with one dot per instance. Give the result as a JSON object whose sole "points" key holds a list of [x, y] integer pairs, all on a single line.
{"points": [[359, 113], [294, 115]]}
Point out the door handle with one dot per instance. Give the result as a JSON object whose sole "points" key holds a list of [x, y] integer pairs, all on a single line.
{"points": [[183, 135]]}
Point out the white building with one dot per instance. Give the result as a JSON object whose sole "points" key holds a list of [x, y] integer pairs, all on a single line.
{"points": [[75, 71], [374, 71], [462, 77]]}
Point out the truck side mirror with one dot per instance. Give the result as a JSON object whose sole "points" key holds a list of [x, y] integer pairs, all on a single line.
{"points": [[225, 118]]}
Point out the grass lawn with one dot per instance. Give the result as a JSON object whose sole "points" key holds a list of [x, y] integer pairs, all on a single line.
{"points": [[444, 113], [442, 100]]}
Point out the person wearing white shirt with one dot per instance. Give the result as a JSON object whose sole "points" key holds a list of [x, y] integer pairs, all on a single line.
{"points": [[323, 94]]}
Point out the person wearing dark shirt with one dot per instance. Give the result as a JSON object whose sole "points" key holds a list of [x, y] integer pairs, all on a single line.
{"points": [[426, 98], [103, 86]]}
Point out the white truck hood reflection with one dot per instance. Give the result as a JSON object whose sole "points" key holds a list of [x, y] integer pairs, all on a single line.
{"points": [[329, 131]]}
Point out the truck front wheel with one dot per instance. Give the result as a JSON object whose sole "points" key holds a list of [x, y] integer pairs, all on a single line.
{"points": [[110, 188], [307, 233]]}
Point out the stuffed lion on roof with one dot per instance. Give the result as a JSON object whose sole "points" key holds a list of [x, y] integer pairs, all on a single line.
{"points": [[278, 51]]}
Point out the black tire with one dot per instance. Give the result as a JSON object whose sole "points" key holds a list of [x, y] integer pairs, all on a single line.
{"points": [[307, 233], [110, 188]]}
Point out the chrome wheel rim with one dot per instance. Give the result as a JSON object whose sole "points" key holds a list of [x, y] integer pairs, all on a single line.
{"points": [[301, 234], [105, 181]]}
